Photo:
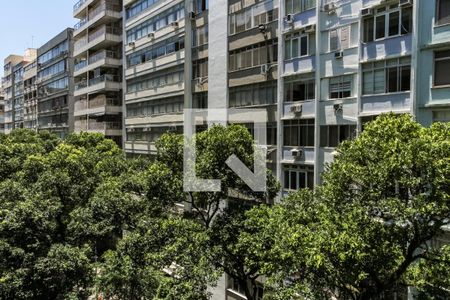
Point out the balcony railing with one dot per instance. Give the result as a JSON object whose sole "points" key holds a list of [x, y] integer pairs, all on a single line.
{"points": [[95, 12], [78, 5], [96, 57], [97, 80], [96, 102], [97, 126]]}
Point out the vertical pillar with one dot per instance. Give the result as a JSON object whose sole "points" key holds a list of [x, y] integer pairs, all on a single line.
{"points": [[218, 55], [317, 162], [280, 91]]}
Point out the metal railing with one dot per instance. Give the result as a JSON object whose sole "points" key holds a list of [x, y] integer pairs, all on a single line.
{"points": [[96, 57], [97, 80], [96, 102], [78, 5]]}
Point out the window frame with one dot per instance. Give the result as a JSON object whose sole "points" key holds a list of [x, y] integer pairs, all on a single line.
{"points": [[434, 67]]}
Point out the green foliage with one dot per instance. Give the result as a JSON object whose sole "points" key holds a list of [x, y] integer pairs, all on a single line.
{"points": [[62, 204], [385, 196]]}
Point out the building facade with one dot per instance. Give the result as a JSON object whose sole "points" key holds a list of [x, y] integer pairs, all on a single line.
{"points": [[98, 68], [13, 85], [321, 70], [30, 100], [2, 111], [55, 84]]}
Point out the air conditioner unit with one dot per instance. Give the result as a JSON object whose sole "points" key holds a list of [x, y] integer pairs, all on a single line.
{"points": [[366, 12], [191, 15], [329, 7], [151, 35], [174, 24], [131, 44], [289, 18], [310, 28], [147, 129], [339, 54], [405, 3], [337, 107], [297, 153], [264, 69], [198, 81], [296, 109]]}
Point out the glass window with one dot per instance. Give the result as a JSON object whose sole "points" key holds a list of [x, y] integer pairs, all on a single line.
{"points": [[441, 68], [340, 87], [442, 12], [394, 22], [388, 76], [380, 23]]}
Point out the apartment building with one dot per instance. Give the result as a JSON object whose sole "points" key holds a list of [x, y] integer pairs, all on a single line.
{"points": [[321, 70], [154, 71], [30, 101], [2, 111], [13, 86], [98, 67], [55, 84]]}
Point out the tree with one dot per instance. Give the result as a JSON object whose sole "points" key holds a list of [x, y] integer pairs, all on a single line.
{"points": [[63, 203], [362, 233], [199, 242]]}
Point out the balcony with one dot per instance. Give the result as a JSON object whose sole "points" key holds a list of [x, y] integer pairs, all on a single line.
{"points": [[102, 58], [105, 12], [106, 128], [79, 8], [103, 82], [103, 37], [140, 147], [98, 106]]}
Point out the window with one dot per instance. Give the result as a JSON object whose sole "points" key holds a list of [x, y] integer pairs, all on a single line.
{"points": [[200, 36], [253, 56], [152, 81], [298, 177], [166, 47], [139, 7], [299, 89], [153, 107], [441, 68], [163, 19], [340, 87], [297, 6], [339, 38], [441, 116], [296, 45], [201, 6], [332, 135], [200, 100], [298, 133], [387, 22], [442, 12], [54, 52], [200, 68], [253, 16], [254, 94], [387, 76]]}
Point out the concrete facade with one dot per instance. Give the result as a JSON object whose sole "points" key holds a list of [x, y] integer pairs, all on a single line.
{"points": [[55, 84], [98, 68]]}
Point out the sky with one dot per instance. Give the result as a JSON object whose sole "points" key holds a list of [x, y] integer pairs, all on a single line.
{"points": [[27, 23]]}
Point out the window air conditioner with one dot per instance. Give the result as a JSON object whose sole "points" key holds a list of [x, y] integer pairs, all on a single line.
{"points": [[191, 15], [404, 3], [174, 24], [131, 44], [339, 54], [329, 7], [366, 12], [297, 153], [337, 107], [289, 18], [310, 28], [296, 109], [151, 35]]}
